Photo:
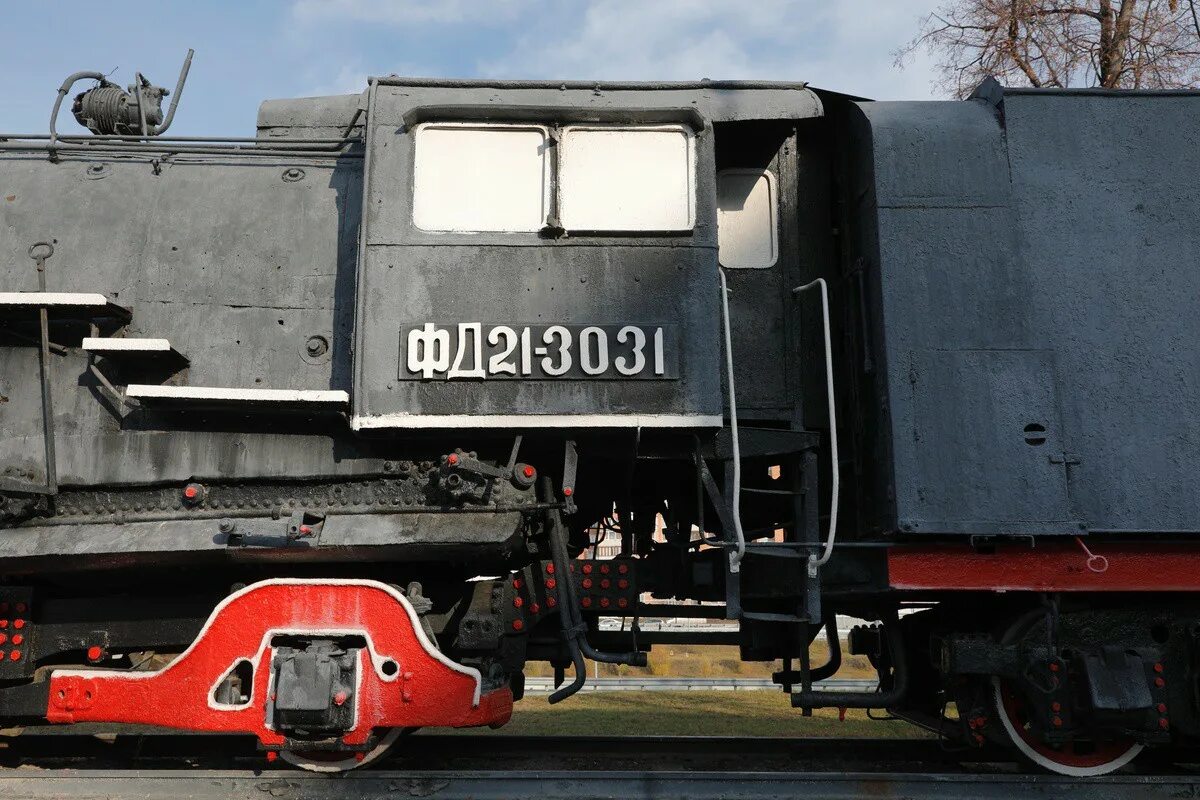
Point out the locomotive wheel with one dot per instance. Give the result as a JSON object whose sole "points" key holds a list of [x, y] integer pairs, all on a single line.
{"points": [[1077, 758], [1080, 758], [333, 761]]}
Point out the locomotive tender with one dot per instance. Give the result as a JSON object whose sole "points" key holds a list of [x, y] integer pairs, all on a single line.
{"points": [[308, 436]]}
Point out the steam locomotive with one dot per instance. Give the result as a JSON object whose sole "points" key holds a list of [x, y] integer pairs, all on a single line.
{"points": [[309, 436]]}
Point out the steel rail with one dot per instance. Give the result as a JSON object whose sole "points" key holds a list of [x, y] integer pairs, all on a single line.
{"points": [[579, 785]]}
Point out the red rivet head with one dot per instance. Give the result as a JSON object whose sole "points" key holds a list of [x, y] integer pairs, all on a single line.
{"points": [[18, 623], [1164, 723], [551, 602], [94, 653], [339, 699], [550, 569], [21, 608], [534, 608], [518, 602], [605, 583], [551, 583], [305, 530], [3, 638], [18, 639], [586, 583], [15, 655], [518, 583], [191, 491], [1057, 722], [622, 584], [1162, 708], [1157, 667], [518, 625], [3, 623], [622, 602], [623, 568], [360, 756], [605, 569], [587, 569], [586, 602], [452, 459], [1056, 706], [1159, 682], [567, 492], [1054, 666], [604, 602], [529, 471], [272, 755]]}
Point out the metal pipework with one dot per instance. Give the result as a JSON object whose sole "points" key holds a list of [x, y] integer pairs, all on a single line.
{"points": [[183, 73], [892, 697], [574, 628], [71, 80]]}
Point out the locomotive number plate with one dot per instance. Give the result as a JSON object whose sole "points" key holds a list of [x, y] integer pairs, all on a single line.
{"points": [[478, 351]]}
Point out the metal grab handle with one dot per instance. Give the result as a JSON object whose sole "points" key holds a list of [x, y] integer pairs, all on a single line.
{"points": [[814, 562]]}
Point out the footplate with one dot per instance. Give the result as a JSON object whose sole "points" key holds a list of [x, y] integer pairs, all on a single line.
{"points": [[293, 662]]}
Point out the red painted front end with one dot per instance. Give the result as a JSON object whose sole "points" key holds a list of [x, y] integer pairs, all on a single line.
{"points": [[402, 680]]}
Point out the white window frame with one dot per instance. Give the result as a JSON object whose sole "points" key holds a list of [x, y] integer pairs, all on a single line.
{"points": [[547, 172], [691, 190], [773, 196]]}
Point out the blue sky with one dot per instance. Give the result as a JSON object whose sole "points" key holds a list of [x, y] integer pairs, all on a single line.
{"points": [[247, 51]]}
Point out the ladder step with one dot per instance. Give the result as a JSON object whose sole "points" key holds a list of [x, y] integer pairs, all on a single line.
{"points": [[133, 351], [60, 305], [784, 492], [209, 396]]}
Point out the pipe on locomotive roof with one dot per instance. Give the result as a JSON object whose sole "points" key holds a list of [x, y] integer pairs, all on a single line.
{"points": [[71, 80], [183, 73], [814, 561]]}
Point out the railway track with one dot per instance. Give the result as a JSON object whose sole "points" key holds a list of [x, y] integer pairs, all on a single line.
{"points": [[494, 766], [575, 785]]}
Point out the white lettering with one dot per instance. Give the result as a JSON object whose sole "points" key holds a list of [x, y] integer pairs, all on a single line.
{"points": [[428, 350]]}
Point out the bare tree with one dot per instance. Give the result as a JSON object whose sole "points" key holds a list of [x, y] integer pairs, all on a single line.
{"points": [[1113, 44]]}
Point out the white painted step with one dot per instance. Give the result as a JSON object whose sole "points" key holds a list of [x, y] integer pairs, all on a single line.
{"points": [[102, 345], [132, 352], [74, 305], [318, 399]]}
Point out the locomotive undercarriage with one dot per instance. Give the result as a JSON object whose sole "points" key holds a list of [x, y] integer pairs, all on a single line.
{"points": [[511, 584], [1075, 684]]}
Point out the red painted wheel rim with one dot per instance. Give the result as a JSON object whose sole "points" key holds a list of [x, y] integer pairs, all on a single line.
{"points": [[1097, 754]]}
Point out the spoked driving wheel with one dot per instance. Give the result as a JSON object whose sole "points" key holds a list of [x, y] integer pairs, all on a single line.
{"points": [[1081, 756], [1077, 757]]}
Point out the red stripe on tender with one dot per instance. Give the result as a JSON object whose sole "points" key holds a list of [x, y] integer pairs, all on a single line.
{"points": [[1061, 566]]}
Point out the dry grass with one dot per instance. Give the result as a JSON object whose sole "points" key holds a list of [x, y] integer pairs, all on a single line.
{"points": [[711, 661], [697, 713]]}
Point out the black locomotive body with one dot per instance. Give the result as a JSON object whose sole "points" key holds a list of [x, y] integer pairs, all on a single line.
{"points": [[329, 419]]}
